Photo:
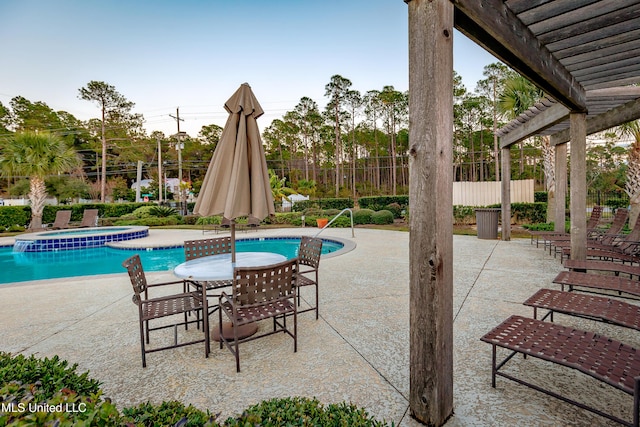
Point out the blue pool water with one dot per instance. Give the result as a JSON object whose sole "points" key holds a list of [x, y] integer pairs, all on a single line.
{"points": [[25, 266]]}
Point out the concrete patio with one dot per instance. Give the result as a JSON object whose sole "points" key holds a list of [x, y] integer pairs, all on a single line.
{"points": [[358, 351]]}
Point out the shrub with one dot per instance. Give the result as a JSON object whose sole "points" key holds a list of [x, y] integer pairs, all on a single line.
{"points": [[77, 410], [54, 373], [382, 217], [395, 209], [616, 203], [151, 221], [464, 215], [162, 211], [301, 411], [141, 212], [540, 196], [14, 215], [362, 216], [330, 212], [209, 220], [167, 414], [377, 203]]}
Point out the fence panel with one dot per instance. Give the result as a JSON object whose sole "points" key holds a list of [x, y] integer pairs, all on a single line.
{"points": [[489, 193]]}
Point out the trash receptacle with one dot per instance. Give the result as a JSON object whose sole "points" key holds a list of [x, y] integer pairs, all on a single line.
{"points": [[487, 222]]}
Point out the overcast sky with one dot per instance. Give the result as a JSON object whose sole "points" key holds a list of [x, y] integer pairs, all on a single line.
{"points": [[191, 54]]}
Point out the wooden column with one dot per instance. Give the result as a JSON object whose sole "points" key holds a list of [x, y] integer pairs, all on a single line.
{"points": [[578, 188], [431, 198], [506, 193], [561, 186]]}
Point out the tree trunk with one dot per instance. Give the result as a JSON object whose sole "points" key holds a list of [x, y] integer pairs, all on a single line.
{"points": [[37, 195]]}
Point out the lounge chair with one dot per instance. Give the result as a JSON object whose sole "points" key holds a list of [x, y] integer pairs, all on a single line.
{"points": [[260, 293], [252, 222], [598, 283], [62, 220], [601, 240], [89, 219], [602, 309], [595, 355], [546, 236], [163, 306]]}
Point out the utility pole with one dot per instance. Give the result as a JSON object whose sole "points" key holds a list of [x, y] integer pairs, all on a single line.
{"points": [[160, 180], [179, 148]]}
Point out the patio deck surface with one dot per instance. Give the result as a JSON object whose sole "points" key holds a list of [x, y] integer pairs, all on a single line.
{"points": [[358, 351]]}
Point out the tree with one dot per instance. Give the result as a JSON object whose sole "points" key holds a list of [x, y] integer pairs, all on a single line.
{"points": [[336, 90], [210, 135], [114, 108], [37, 155], [372, 109], [395, 106], [495, 74], [354, 102], [632, 185]]}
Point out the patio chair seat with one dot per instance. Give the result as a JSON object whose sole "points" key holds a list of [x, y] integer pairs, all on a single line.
{"points": [[309, 253]]}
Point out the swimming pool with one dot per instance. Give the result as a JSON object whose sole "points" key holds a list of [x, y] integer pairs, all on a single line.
{"points": [[73, 239], [26, 266]]}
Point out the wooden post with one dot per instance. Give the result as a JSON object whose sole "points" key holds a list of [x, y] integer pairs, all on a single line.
{"points": [[431, 196], [578, 189], [506, 193], [561, 185]]}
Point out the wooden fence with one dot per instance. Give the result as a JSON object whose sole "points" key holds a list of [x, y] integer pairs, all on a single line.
{"points": [[489, 193]]}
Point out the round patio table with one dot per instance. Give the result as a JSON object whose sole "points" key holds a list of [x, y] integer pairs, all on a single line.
{"points": [[219, 268]]}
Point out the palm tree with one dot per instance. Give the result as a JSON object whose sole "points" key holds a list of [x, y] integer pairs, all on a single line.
{"points": [[632, 185], [37, 155]]}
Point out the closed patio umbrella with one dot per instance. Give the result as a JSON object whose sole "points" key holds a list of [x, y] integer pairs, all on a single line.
{"points": [[237, 181]]}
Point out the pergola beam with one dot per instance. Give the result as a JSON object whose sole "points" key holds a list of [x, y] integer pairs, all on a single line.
{"points": [[615, 117], [549, 117], [492, 25]]}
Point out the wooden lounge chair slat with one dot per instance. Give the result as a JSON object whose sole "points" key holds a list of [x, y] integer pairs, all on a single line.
{"points": [[598, 281]]}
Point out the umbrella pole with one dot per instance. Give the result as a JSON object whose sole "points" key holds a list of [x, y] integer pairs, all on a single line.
{"points": [[233, 241]]}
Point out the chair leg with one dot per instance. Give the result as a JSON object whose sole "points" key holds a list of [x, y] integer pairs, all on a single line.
{"points": [[237, 345], [144, 359], [317, 301]]}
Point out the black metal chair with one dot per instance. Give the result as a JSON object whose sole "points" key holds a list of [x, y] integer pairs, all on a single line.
{"points": [[309, 253], [260, 293], [163, 306]]}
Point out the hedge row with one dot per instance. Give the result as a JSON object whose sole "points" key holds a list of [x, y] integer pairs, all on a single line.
{"points": [[26, 382]]}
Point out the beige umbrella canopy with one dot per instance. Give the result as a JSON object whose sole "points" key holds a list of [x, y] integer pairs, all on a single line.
{"points": [[237, 181]]}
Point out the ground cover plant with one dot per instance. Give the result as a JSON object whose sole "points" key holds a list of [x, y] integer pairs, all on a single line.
{"points": [[51, 392]]}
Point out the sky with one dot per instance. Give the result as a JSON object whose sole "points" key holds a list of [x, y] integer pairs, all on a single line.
{"points": [[193, 54]]}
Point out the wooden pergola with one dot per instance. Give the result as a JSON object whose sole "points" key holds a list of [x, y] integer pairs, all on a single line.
{"points": [[583, 55]]}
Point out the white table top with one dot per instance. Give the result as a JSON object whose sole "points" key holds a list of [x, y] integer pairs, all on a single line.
{"points": [[220, 267]]}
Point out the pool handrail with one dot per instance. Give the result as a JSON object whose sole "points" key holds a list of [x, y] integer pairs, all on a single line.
{"points": [[336, 217]]}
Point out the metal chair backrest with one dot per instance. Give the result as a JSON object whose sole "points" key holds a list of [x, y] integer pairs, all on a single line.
{"points": [[261, 285], [137, 276], [309, 251], [205, 247]]}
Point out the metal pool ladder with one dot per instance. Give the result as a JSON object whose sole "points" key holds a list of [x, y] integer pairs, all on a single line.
{"points": [[336, 217]]}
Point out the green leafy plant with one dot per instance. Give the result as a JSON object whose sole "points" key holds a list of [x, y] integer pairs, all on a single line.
{"points": [[300, 411], [382, 217], [167, 414], [362, 216], [54, 374], [162, 211]]}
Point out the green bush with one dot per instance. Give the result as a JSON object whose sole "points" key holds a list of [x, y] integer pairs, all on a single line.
{"points": [[377, 203], [339, 203], [162, 211], [75, 409], [615, 203], [300, 411], [151, 221], [362, 216], [464, 215], [529, 212], [11, 216], [540, 196], [55, 374], [330, 212], [209, 220], [395, 208], [382, 217], [167, 414]]}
